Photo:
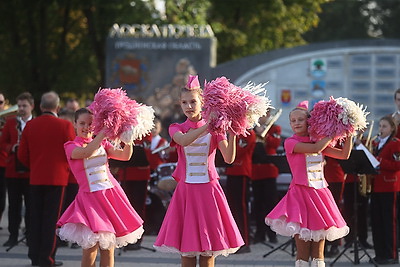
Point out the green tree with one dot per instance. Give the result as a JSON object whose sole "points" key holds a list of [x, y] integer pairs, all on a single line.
{"points": [[59, 44], [247, 27], [341, 20]]}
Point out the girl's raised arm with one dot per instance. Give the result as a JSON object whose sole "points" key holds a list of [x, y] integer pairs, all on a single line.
{"points": [[317, 147], [343, 153], [228, 148]]}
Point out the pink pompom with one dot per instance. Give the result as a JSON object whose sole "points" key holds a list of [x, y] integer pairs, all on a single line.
{"points": [[336, 118], [114, 112], [229, 107]]}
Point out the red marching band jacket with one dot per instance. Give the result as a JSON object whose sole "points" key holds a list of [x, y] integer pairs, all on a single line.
{"points": [[388, 178], [8, 139], [244, 152], [272, 141]]}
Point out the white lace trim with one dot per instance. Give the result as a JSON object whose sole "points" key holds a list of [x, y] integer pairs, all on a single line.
{"points": [[84, 237], [281, 227], [207, 253]]}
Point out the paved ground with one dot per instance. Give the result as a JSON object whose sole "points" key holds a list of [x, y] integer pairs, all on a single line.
{"points": [[17, 256]]}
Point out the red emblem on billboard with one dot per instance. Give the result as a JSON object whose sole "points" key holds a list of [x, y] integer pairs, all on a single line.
{"points": [[286, 96]]}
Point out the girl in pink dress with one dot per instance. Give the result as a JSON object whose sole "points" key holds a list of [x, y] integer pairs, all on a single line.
{"points": [[198, 221], [101, 216], [308, 211]]}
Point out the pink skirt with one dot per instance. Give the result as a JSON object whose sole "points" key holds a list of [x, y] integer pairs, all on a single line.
{"points": [[199, 222], [311, 213], [105, 217]]}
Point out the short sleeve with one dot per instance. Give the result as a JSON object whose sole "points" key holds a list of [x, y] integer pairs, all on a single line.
{"points": [[220, 137], [173, 128], [289, 145], [69, 147]]}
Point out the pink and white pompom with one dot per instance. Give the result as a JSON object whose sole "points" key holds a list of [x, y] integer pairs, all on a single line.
{"points": [[337, 118], [229, 107], [121, 118]]}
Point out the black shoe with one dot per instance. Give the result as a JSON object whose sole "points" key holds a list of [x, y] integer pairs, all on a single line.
{"points": [[243, 249], [366, 245], [333, 252], [10, 242]]}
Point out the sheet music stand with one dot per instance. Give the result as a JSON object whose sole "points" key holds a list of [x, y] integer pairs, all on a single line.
{"points": [[282, 164], [358, 163]]}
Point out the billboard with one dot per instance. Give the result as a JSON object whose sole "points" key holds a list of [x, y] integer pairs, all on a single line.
{"points": [[152, 62]]}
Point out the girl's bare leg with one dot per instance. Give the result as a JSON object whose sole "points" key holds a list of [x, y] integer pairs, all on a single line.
{"points": [[107, 257], [207, 261], [89, 256], [317, 249], [188, 261], [303, 249]]}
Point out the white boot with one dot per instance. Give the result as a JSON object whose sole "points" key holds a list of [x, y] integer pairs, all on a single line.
{"points": [[301, 263], [317, 263]]}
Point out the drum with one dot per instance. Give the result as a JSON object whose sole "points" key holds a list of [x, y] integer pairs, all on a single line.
{"points": [[165, 180]]}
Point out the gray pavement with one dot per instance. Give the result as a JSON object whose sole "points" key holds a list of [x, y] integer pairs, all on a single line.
{"points": [[17, 256]]}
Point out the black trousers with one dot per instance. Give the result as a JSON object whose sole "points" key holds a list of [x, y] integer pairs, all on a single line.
{"points": [[18, 194], [265, 198], [136, 191], [384, 222], [237, 188], [349, 213], [2, 191], [46, 203]]}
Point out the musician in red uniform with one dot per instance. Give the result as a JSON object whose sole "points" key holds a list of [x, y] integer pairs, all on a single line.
{"points": [[42, 150], [237, 185], [396, 114], [264, 178], [17, 175], [386, 187]]}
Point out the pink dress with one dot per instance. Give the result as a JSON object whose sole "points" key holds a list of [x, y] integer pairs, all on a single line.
{"points": [[308, 208], [101, 212], [198, 220]]}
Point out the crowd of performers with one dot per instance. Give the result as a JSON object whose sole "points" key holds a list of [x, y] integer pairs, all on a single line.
{"points": [[99, 181]]}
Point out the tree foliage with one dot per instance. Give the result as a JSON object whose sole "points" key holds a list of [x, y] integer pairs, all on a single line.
{"points": [[246, 27], [60, 44]]}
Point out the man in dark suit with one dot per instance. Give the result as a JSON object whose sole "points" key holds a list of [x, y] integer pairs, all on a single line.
{"points": [[42, 150]]}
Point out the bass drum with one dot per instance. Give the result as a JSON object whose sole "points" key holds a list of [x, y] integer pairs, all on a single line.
{"points": [[165, 180]]}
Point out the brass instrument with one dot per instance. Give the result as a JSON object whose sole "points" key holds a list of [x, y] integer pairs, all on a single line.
{"points": [[4, 113], [10, 111], [366, 179], [271, 122]]}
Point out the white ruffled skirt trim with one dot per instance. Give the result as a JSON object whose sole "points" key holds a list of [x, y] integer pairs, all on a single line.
{"points": [[207, 253], [84, 237], [281, 227]]}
